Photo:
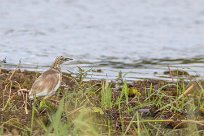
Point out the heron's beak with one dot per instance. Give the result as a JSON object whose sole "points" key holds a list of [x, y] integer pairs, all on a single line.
{"points": [[67, 59]]}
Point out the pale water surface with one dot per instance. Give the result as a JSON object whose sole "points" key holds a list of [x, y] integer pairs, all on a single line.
{"points": [[140, 37]]}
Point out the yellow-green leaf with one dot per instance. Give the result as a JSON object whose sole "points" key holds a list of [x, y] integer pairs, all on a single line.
{"points": [[133, 91], [202, 109], [97, 109]]}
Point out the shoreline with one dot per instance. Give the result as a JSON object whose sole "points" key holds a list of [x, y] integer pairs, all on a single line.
{"points": [[115, 101]]}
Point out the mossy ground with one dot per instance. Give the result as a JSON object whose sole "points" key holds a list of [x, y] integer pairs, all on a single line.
{"points": [[100, 107]]}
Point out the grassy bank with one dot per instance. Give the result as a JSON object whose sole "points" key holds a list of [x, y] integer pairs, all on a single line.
{"points": [[148, 107]]}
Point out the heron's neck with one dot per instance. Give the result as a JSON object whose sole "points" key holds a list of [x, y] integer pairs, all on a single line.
{"points": [[56, 65]]}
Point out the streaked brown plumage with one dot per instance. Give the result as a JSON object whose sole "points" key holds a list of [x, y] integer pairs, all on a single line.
{"points": [[49, 81]]}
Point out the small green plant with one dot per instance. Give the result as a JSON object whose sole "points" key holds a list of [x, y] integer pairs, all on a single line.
{"points": [[58, 127], [83, 123], [106, 95]]}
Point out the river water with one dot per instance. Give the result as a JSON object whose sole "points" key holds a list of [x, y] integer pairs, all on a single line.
{"points": [[142, 38]]}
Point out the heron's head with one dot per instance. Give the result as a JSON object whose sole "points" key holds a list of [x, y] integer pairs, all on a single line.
{"points": [[59, 60]]}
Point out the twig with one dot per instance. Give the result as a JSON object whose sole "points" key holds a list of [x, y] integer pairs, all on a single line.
{"points": [[25, 98], [171, 120], [182, 95], [128, 127], [75, 110], [26, 109], [188, 91]]}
